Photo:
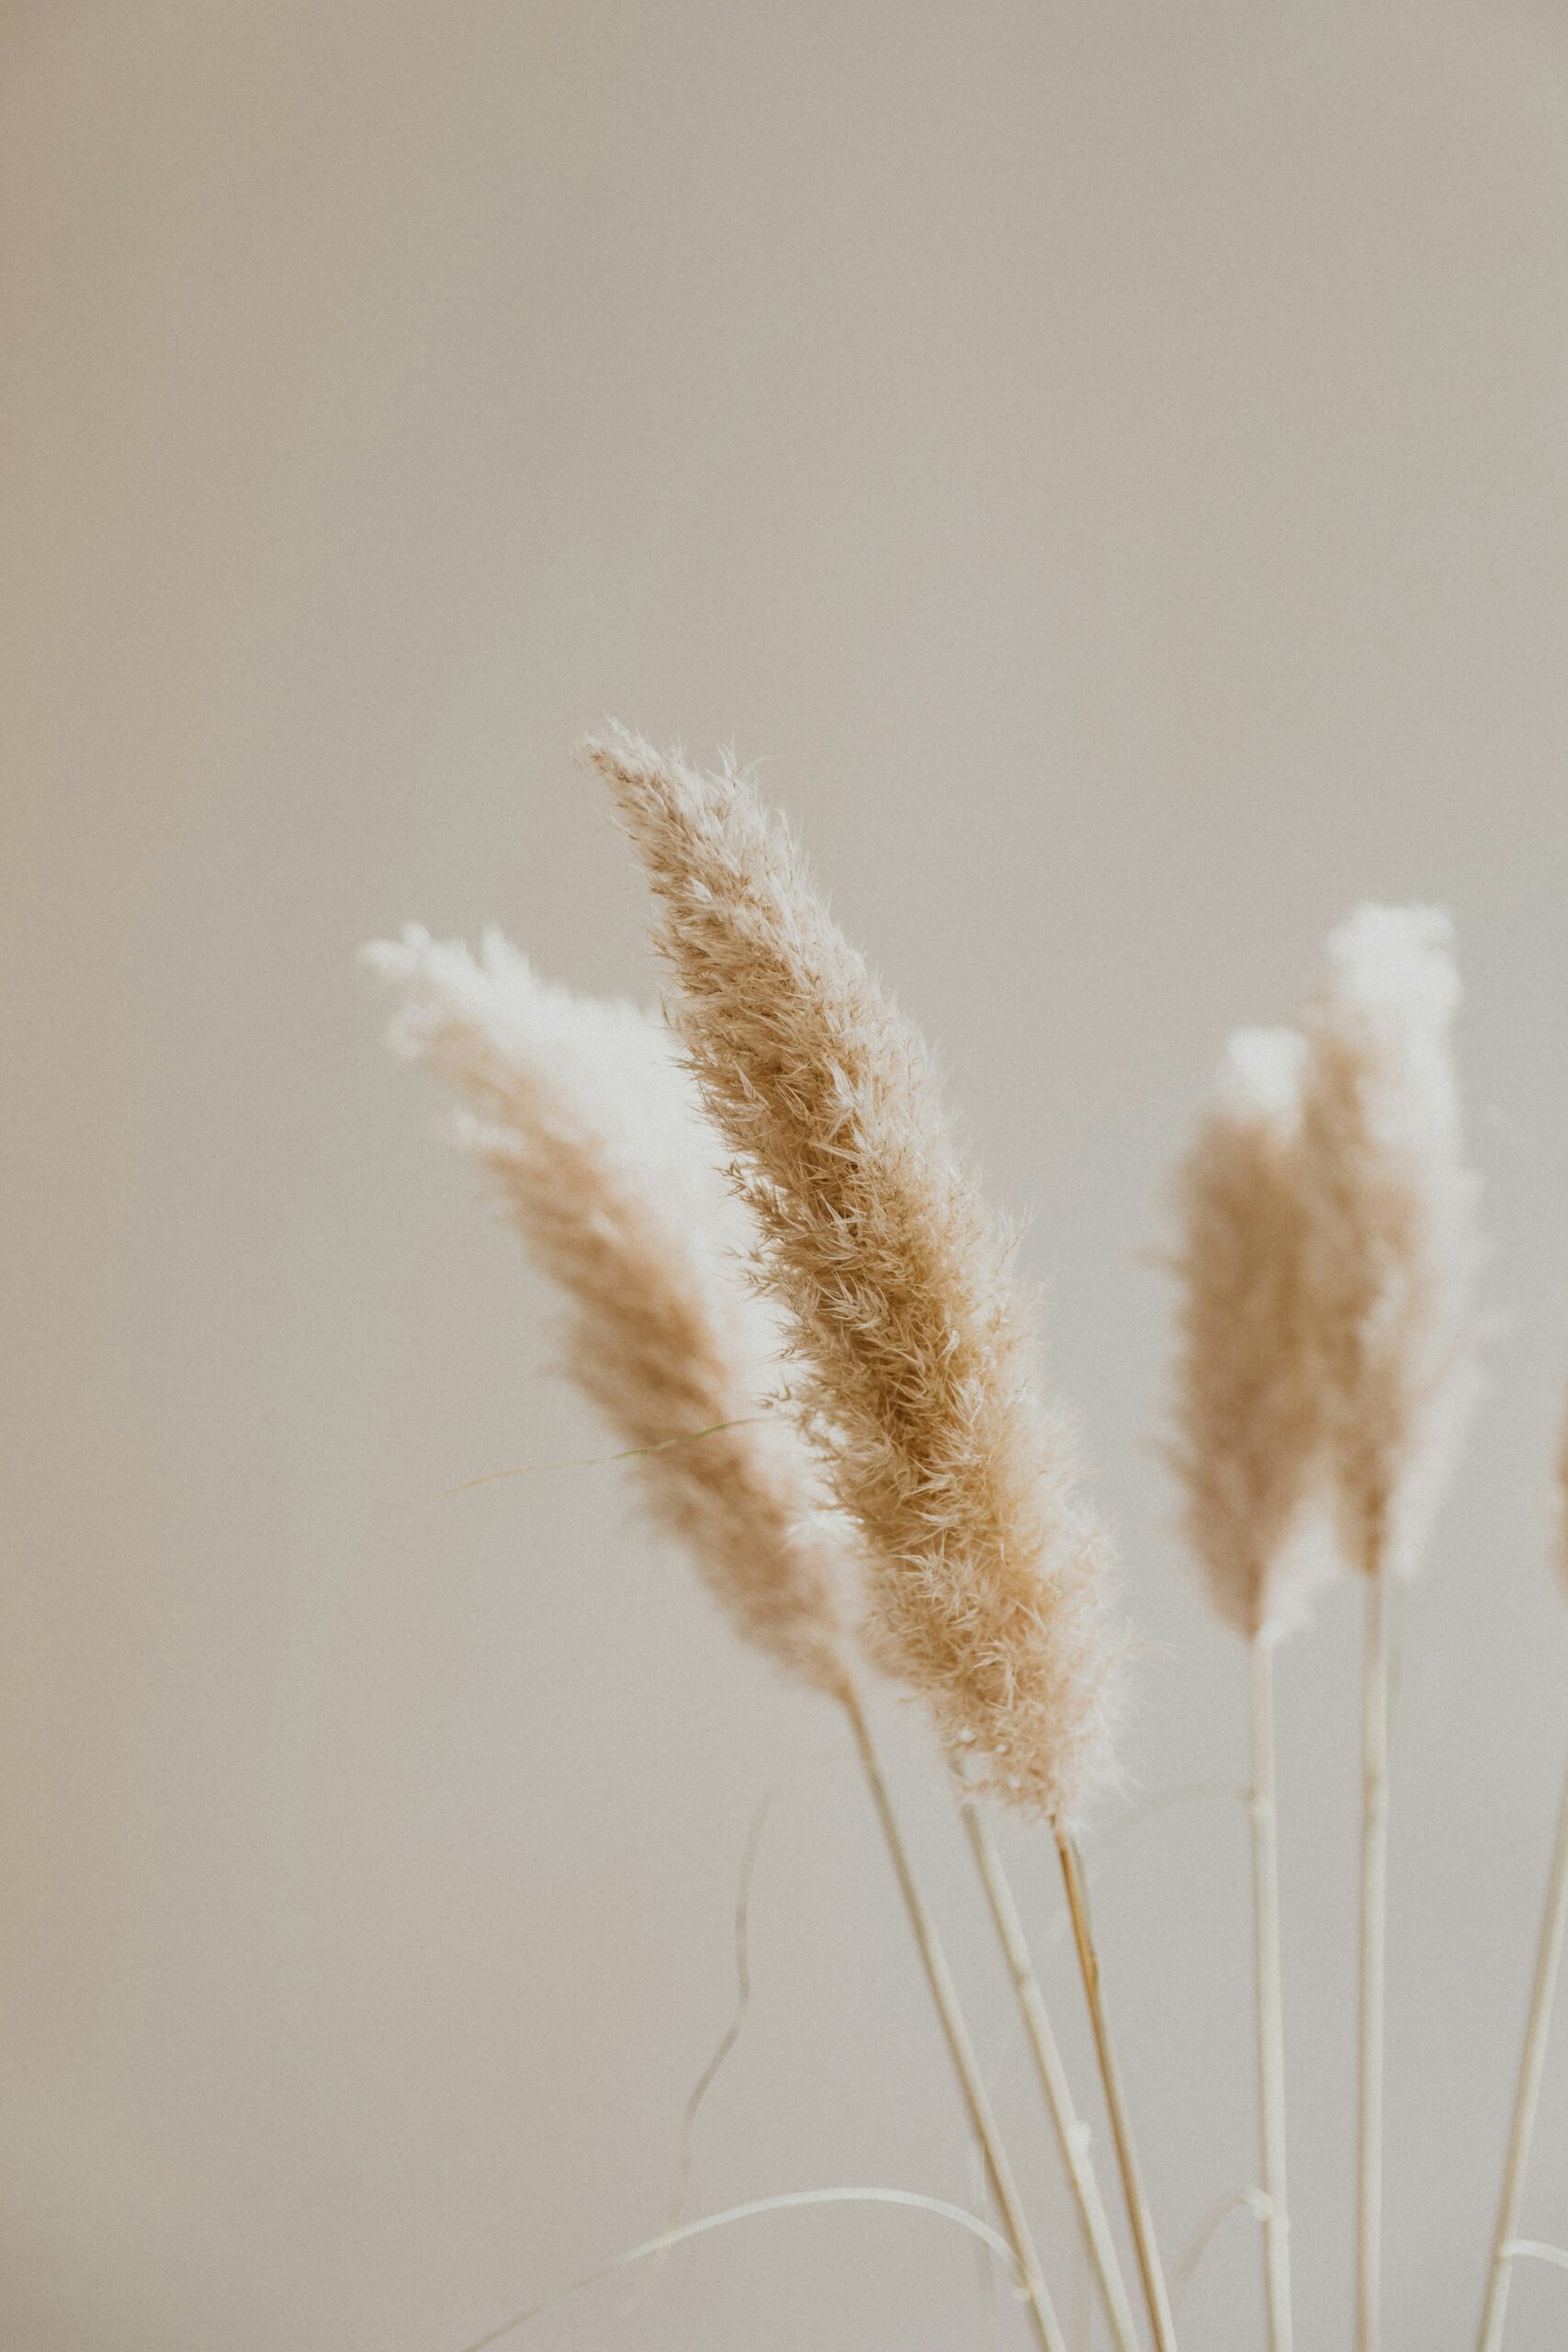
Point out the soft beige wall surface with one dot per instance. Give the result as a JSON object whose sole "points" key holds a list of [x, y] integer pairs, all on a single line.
{"points": [[1107, 461]]}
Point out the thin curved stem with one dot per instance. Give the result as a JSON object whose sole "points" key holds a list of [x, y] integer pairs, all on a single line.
{"points": [[1149, 2268], [1073, 2135], [794, 2201], [1532, 2250], [1270, 2006], [1538, 2024], [1189, 2260], [1004, 2188]]}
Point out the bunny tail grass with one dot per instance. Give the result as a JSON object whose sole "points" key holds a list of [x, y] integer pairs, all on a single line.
{"points": [[591, 1131], [1150, 2270], [976, 2099], [988, 1574], [1100, 2246]]}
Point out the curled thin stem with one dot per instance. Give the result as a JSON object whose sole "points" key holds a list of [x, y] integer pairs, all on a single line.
{"points": [[1191, 2258], [793, 2201]]}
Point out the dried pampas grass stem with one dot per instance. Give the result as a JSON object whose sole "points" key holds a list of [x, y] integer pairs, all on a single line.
{"points": [[1249, 1417], [1100, 2246], [976, 2099], [1392, 1256], [1269, 2000], [1150, 2270], [1373, 1941], [1538, 2026]]}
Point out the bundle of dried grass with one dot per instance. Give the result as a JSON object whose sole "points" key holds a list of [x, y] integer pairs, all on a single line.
{"points": [[988, 1572], [584, 1116], [581, 1113], [1328, 1258]]}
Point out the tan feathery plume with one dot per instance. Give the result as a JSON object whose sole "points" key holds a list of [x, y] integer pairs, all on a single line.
{"points": [[1249, 1394], [591, 1128], [1392, 1259], [581, 1112], [988, 1574], [1391, 1239], [1250, 1434]]}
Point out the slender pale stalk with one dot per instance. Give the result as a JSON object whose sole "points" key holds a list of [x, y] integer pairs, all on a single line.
{"points": [[1138, 2213], [1374, 1909], [1270, 2020], [1098, 2243], [999, 2170], [1536, 2027]]}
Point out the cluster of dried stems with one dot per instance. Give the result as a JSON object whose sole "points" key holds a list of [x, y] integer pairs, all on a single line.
{"points": [[785, 1295]]}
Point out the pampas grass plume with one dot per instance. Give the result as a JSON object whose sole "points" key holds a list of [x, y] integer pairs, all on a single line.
{"points": [[988, 1572], [590, 1128], [1249, 1397], [1392, 1245]]}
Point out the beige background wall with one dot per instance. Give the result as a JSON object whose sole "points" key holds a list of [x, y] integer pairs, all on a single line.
{"points": [[1106, 461]]}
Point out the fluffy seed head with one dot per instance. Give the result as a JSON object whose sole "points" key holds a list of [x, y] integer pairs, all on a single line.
{"points": [[583, 1115], [1392, 1245], [988, 1574], [1249, 1400]]}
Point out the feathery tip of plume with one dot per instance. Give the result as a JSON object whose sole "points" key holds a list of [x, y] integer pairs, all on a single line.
{"points": [[1260, 1079], [1396, 962]]}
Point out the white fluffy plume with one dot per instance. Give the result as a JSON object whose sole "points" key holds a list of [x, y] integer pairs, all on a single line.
{"points": [[582, 1115]]}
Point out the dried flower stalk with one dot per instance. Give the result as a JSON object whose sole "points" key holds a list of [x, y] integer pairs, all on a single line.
{"points": [[1250, 1420], [581, 1114], [1392, 1259], [986, 1572], [1073, 2136]]}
